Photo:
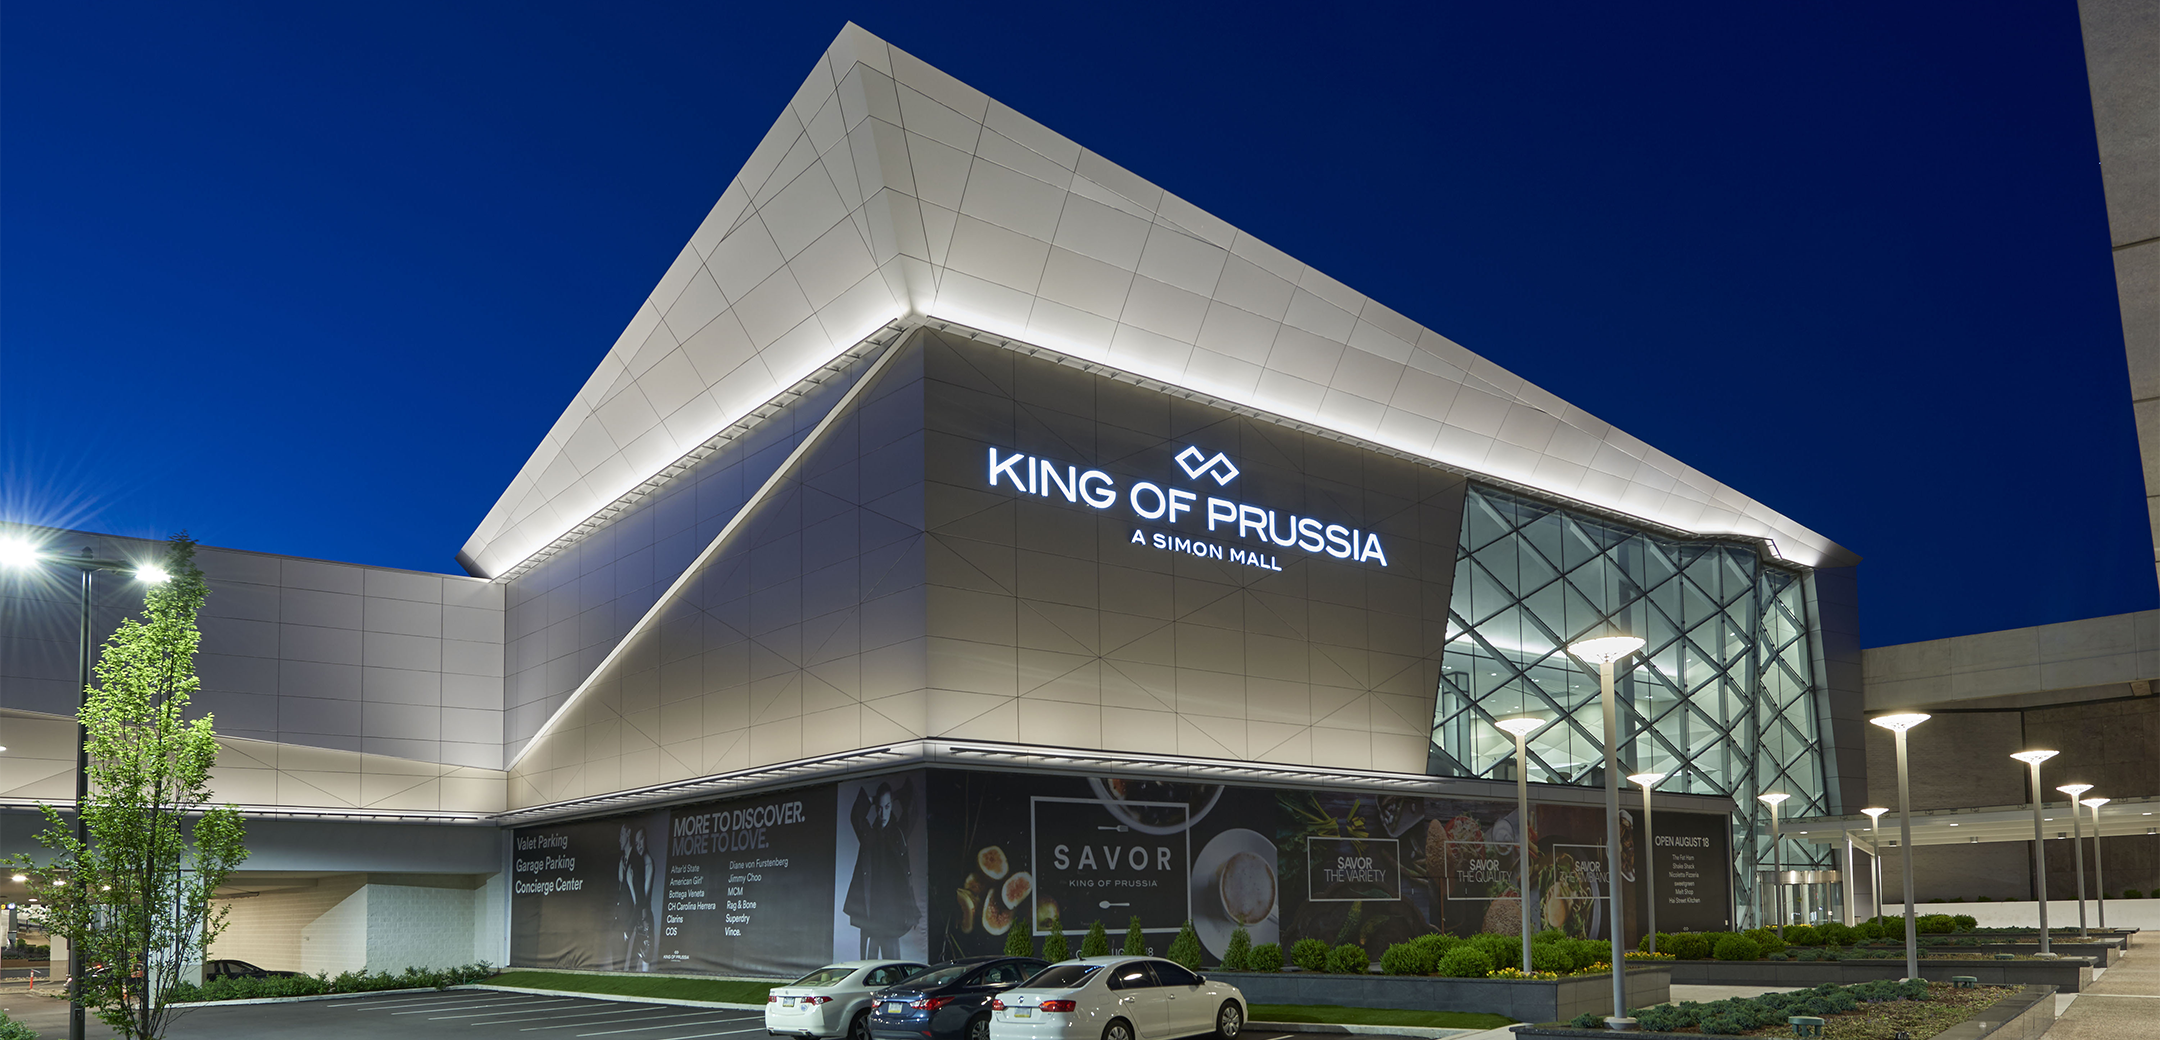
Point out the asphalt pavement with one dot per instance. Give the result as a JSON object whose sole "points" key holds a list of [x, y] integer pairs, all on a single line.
{"points": [[465, 1014]]}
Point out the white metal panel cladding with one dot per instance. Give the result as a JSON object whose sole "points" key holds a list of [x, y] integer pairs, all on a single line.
{"points": [[890, 190]]}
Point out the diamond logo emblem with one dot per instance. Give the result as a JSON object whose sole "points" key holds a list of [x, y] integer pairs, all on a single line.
{"points": [[1196, 464]]}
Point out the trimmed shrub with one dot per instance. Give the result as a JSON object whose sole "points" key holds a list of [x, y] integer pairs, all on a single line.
{"points": [[2131, 893], [1309, 954], [1057, 947], [1766, 939], [1588, 1020], [1803, 955], [1348, 959], [1097, 943], [1779, 956], [1687, 946], [1499, 949], [1801, 935], [1237, 954], [1265, 957], [1185, 949], [1966, 922], [1466, 961], [1737, 948], [1135, 940], [1407, 959], [1834, 933], [310, 985], [1935, 924], [1726, 1023]]}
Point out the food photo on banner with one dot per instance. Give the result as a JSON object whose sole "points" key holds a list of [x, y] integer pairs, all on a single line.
{"points": [[881, 857], [1044, 852]]}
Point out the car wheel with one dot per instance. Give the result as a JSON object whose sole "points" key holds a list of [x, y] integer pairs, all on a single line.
{"points": [[1229, 1020], [1118, 1029], [979, 1028], [859, 1029]]}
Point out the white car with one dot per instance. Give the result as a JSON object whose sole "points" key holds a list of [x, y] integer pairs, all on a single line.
{"points": [[834, 1000], [1117, 998]]}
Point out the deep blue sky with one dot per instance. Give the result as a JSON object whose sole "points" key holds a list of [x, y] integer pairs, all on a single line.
{"points": [[315, 280]]}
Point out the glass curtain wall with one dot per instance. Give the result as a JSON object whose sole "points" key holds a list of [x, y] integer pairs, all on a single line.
{"points": [[1721, 699]]}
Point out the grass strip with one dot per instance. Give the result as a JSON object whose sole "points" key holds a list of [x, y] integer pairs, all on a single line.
{"points": [[728, 991], [1357, 1016]]}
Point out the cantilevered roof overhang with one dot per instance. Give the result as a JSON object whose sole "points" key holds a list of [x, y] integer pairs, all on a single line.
{"points": [[889, 192], [1988, 824]]}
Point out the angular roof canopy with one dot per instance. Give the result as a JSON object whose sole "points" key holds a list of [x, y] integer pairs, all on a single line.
{"points": [[888, 190]]}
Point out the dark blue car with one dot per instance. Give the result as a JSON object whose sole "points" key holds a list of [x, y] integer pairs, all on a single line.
{"points": [[951, 1001]]}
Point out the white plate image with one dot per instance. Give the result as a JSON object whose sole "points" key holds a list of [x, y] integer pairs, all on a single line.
{"points": [[1210, 920]]}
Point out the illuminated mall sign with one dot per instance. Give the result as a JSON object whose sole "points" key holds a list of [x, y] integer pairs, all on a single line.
{"points": [[1188, 512]]}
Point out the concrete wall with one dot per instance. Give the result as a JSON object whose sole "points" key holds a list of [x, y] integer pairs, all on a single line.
{"points": [[373, 922], [286, 930], [2092, 659]]}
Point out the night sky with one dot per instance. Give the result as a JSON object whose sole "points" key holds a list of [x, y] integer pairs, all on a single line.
{"points": [[315, 281]]}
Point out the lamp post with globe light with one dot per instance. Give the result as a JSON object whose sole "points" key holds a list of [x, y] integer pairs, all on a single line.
{"points": [[1649, 855], [1777, 859], [1898, 725], [2099, 876], [1874, 815], [2040, 893], [1520, 729], [2077, 847], [1603, 652], [20, 554]]}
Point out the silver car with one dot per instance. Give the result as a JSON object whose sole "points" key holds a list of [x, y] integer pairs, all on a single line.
{"points": [[834, 1000]]}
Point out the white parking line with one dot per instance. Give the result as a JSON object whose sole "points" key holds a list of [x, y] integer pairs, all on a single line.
{"points": [[462, 1007], [694, 1036], [499, 1017], [679, 1025], [484, 1014], [683, 1014]]}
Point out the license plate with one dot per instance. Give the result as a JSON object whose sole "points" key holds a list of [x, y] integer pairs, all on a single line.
{"points": [[1023, 1012], [894, 1007], [787, 1002]]}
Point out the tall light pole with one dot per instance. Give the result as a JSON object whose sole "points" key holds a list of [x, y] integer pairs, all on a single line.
{"points": [[1874, 815], [2077, 847], [1649, 854], [1603, 652], [2033, 759], [18, 554], [1777, 859], [1520, 729], [2099, 877], [1898, 725]]}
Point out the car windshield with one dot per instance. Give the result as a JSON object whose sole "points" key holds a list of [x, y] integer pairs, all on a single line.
{"points": [[1062, 976], [939, 976], [824, 976]]}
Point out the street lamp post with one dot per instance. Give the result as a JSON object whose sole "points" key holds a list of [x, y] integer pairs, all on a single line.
{"points": [[1603, 652], [1649, 855], [18, 554], [1777, 859], [2040, 893], [1520, 729], [2077, 847], [1874, 815], [2099, 876], [1898, 725]]}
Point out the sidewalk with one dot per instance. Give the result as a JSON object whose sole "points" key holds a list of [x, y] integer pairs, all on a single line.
{"points": [[2122, 1002]]}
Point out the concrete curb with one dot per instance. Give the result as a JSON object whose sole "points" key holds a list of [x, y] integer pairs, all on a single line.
{"points": [[1423, 1032], [613, 996], [311, 996]]}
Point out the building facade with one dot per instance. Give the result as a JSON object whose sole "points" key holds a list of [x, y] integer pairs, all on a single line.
{"points": [[957, 492]]}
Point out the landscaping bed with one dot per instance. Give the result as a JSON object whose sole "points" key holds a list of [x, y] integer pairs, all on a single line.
{"points": [[1873, 1011], [2068, 974], [628, 984], [1336, 1014], [325, 983], [1521, 1000]]}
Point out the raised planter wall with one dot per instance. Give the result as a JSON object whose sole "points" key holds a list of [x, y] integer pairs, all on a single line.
{"points": [[2069, 975], [1526, 1000], [2121, 913], [2024, 1015]]}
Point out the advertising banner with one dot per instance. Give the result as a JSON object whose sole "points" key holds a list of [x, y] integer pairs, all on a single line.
{"points": [[936, 864], [727, 887]]}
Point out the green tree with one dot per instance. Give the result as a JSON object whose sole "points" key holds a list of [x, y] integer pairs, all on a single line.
{"points": [[1097, 943], [1057, 947], [1019, 942], [1135, 940], [136, 896]]}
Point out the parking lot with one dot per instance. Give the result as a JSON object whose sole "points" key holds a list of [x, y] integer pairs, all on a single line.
{"points": [[465, 1014]]}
